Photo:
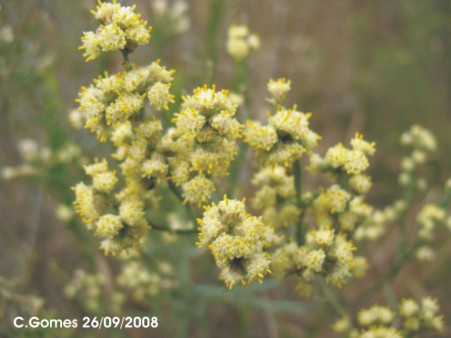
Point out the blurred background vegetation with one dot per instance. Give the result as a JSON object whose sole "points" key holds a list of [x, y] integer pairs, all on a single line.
{"points": [[371, 66]]}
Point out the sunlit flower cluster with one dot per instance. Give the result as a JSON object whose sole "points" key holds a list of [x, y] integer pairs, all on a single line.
{"points": [[115, 107], [237, 240], [121, 30], [325, 254], [203, 141], [119, 227], [113, 100], [275, 196], [278, 89], [340, 160], [336, 215], [342, 204], [336, 206], [286, 136]]}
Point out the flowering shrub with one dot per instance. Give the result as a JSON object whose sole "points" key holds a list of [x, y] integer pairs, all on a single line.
{"points": [[190, 159]]}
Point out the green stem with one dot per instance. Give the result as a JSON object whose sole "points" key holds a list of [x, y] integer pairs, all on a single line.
{"points": [[389, 295], [403, 233], [300, 226], [235, 170], [239, 81], [159, 227], [445, 199], [126, 63], [179, 196], [175, 191], [240, 77], [216, 13], [330, 297]]}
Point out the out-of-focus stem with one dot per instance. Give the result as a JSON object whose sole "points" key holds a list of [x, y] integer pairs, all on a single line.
{"points": [[216, 12], [300, 226], [159, 227], [240, 79], [179, 196], [445, 200], [125, 60], [403, 235], [389, 295], [330, 297]]}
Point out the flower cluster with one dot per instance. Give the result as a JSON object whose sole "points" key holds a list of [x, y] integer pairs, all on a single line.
{"points": [[114, 107], [203, 142], [120, 227], [419, 138], [417, 316], [422, 142], [142, 283], [98, 293], [351, 214], [275, 195], [121, 30], [285, 138], [340, 160], [325, 254], [113, 100], [237, 240], [380, 321], [326, 251], [342, 203], [240, 42], [91, 287], [367, 223], [429, 218], [278, 89]]}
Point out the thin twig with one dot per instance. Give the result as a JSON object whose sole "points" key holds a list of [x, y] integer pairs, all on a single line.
{"points": [[126, 61], [330, 297], [177, 193], [159, 227], [300, 227], [403, 235]]}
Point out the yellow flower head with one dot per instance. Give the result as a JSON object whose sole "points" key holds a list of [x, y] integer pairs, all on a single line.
{"points": [[121, 29], [237, 241]]}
